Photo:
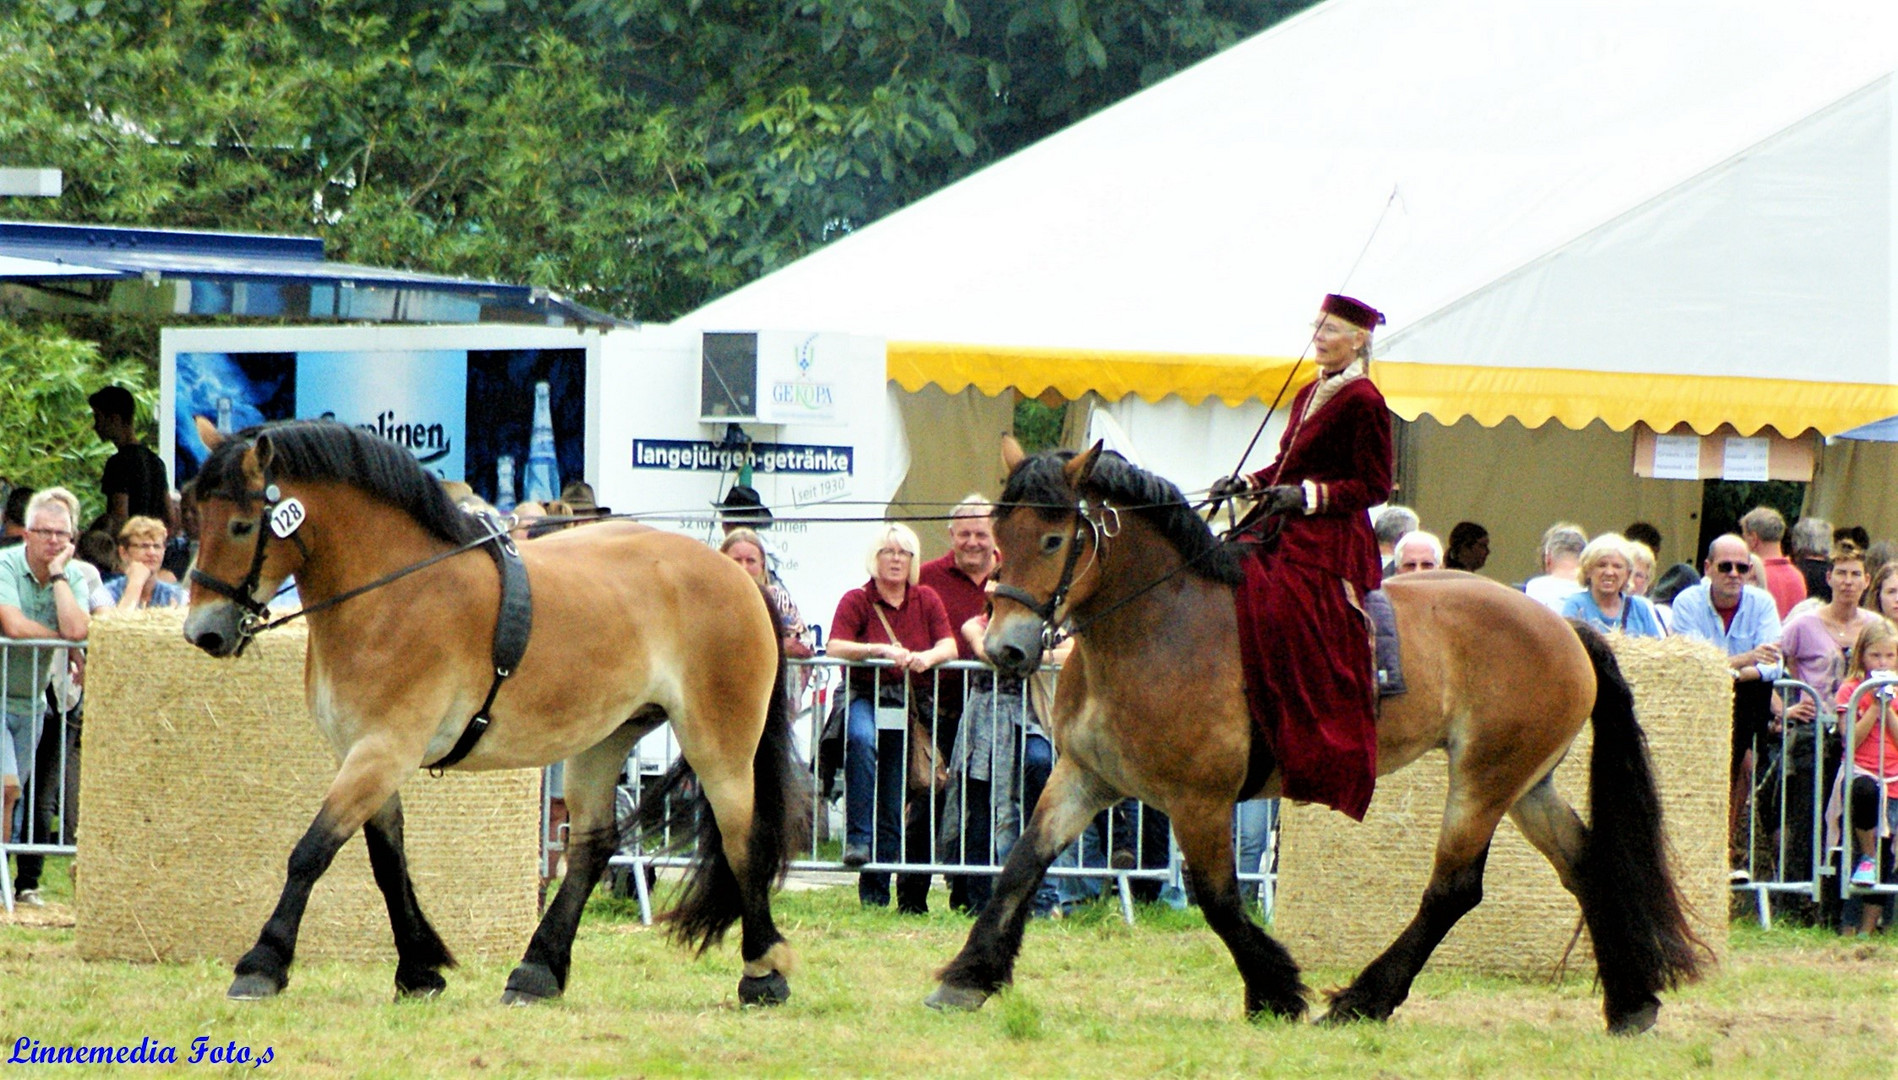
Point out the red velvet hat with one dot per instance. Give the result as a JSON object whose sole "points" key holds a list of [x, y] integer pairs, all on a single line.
{"points": [[1356, 312]]}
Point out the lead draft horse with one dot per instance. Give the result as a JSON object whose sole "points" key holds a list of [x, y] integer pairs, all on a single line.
{"points": [[631, 628], [1151, 705]]}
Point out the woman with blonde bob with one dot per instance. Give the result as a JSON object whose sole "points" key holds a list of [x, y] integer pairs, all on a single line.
{"points": [[142, 553], [1606, 602], [892, 618]]}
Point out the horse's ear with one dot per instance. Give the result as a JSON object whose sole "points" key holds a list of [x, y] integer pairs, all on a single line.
{"points": [[208, 434], [1012, 453], [257, 462], [1082, 467]]}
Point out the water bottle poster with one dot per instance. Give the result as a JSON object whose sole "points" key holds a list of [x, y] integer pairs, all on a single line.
{"points": [[527, 413], [227, 392], [416, 397]]}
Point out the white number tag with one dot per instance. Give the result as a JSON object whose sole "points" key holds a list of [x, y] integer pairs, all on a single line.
{"points": [[286, 518], [892, 717]]}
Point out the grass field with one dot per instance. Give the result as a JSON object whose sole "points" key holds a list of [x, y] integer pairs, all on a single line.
{"points": [[1093, 996]]}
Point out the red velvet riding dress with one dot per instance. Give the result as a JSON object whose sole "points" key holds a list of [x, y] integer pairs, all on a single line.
{"points": [[1303, 638]]}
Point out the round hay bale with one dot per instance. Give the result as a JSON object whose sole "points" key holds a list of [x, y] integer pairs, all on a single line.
{"points": [[1683, 699], [201, 775]]}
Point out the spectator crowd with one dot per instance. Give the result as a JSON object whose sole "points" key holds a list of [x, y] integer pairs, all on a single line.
{"points": [[942, 765]]}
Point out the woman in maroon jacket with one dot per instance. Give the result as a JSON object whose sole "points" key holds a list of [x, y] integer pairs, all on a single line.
{"points": [[1302, 631]]}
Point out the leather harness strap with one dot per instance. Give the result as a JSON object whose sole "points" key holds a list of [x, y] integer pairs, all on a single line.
{"points": [[513, 624]]}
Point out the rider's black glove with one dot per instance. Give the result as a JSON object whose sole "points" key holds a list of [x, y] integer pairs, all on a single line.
{"points": [[1227, 487], [1282, 498]]}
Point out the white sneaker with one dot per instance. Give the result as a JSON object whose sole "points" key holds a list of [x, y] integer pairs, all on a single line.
{"points": [[1865, 873], [31, 898]]}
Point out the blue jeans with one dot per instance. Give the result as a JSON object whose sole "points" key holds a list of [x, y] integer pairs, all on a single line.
{"points": [[873, 796], [1139, 830], [21, 738], [1255, 821], [21, 741], [1036, 762]]}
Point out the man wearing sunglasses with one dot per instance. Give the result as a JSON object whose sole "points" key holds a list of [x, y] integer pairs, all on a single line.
{"points": [[1742, 621]]}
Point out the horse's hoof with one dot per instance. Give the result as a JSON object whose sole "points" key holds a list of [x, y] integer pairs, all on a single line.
{"points": [[520, 997], [956, 998], [419, 985], [530, 983], [772, 989], [254, 986], [1637, 1021], [1344, 1012]]}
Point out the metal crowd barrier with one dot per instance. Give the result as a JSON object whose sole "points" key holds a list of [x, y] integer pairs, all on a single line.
{"points": [[1799, 773], [960, 825], [40, 703]]}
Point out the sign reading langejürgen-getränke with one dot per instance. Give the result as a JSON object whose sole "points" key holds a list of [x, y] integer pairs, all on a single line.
{"points": [[703, 455]]}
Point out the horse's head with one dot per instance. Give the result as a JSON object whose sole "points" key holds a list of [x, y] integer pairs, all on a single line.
{"points": [[1050, 554], [241, 509]]}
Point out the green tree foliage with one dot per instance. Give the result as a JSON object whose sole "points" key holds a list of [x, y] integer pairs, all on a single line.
{"points": [[46, 433], [641, 156]]}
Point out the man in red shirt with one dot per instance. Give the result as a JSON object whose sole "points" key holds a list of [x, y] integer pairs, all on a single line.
{"points": [[958, 578], [1763, 528]]}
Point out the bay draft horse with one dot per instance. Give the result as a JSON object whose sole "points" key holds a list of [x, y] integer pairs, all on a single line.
{"points": [[1151, 704], [631, 628]]}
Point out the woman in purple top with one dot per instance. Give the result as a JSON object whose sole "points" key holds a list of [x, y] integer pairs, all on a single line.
{"points": [[1818, 644]]}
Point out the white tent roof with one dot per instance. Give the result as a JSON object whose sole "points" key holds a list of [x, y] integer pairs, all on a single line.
{"points": [[1681, 192]]}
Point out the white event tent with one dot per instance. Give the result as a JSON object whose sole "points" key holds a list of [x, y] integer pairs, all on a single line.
{"points": [[1666, 212]]}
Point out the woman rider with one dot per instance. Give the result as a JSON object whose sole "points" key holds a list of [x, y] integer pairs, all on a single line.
{"points": [[1303, 635]]}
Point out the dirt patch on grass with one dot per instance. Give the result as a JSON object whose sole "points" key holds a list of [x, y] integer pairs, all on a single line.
{"points": [[53, 916], [1727, 1005]]}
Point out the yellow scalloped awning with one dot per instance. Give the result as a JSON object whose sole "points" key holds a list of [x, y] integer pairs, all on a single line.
{"points": [[1534, 396], [1447, 392], [1111, 373]]}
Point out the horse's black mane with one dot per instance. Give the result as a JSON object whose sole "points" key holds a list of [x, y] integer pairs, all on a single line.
{"points": [[325, 450], [1039, 483]]}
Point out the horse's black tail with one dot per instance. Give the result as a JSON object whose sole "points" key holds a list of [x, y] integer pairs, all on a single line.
{"points": [[1634, 910], [711, 899]]}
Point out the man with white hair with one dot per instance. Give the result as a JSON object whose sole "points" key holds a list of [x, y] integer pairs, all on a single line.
{"points": [[1561, 566], [1417, 550], [42, 596], [959, 576], [1392, 524]]}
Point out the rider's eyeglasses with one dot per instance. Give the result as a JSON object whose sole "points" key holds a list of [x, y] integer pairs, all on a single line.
{"points": [[1733, 567]]}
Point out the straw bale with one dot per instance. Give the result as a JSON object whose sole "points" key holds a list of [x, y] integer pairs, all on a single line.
{"points": [[1683, 698], [201, 775]]}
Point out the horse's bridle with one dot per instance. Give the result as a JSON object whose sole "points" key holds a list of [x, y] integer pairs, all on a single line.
{"points": [[1047, 610], [1052, 632], [244, 593], [256, 618]]}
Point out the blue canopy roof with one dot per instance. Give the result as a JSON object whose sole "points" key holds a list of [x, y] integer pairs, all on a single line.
{"points": [[220, 273], [1885, 430]]}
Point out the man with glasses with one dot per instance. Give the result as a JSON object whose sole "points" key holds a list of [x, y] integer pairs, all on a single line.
{"points": [[1742, 621], [42, 596]]}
